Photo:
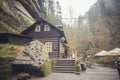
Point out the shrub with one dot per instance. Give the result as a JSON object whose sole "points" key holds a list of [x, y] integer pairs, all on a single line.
{"points": [[46, 68], [53, 63], [5, 66]]}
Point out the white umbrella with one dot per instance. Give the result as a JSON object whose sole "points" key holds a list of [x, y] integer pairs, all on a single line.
{"points": [[101, 53], [114, 52]]}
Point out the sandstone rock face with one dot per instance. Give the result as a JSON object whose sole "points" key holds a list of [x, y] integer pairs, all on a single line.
{"points": [[37, 52]]}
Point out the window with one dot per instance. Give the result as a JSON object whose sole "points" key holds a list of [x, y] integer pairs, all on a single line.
{"points": [[38, 28], [46, 28], [55, 46], [48, 46]]}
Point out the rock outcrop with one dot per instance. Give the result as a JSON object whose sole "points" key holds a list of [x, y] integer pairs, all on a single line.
{"points": [[37, 52], [33, 60], [16, 15], [34, 54]]}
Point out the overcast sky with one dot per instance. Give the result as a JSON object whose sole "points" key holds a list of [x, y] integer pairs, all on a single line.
{"points": [[78, 6]]}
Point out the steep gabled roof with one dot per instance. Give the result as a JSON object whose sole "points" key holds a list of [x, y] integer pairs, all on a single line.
{"points": [[51, 25]]}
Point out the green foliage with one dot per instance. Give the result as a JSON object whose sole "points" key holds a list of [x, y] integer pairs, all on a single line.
{"points": [[52, 19], [54, 14], [53, 62], [43, 9], [8, 49], [46, 68], [77, 67], [5, 66], [26, 21], [102, 7]]}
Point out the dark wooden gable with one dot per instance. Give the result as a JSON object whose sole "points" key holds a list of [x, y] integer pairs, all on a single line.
{"points": [[54, 31]]}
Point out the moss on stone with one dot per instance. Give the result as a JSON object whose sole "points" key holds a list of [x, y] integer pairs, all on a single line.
{"points": [[5, 66], [8, 22], [9, 49]]}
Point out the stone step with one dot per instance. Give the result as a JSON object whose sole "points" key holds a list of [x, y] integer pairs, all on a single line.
{"points": [[59, 71], [65, 62], [65, 66], [63, 70]]}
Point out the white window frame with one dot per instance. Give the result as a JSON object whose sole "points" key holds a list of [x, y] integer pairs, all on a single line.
{"points": [[48, 46], [46, 28], [38, 28]]}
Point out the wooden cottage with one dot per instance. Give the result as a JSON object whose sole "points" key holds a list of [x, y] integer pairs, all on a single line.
{"points": [[53, 37]]}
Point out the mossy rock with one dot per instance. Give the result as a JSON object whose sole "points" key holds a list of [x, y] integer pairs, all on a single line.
{"points": [[78, 73], [5, 67], [9, 49], [23, 76]]}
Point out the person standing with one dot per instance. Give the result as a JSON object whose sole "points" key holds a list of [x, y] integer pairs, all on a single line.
{"points": [[117, 64]]}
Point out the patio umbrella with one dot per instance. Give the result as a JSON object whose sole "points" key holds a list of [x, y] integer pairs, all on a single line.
{"points": [[114, 52], [101, 53]]}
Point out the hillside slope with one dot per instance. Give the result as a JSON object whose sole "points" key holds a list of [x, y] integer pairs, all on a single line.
{"points": [[104, 17]]}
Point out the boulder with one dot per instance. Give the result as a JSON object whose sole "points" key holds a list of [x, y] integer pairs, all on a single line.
{"points": [[37, 52], [23, 76], [32, 59]]}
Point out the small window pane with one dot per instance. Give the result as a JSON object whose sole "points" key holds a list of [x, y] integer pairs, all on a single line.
{"points": [[46, 28], [38, 28]]}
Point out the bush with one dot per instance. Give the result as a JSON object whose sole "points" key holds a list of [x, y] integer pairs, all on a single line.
{"points": [[53, 63], [77, 66], [5, 66], [46, 68]]}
